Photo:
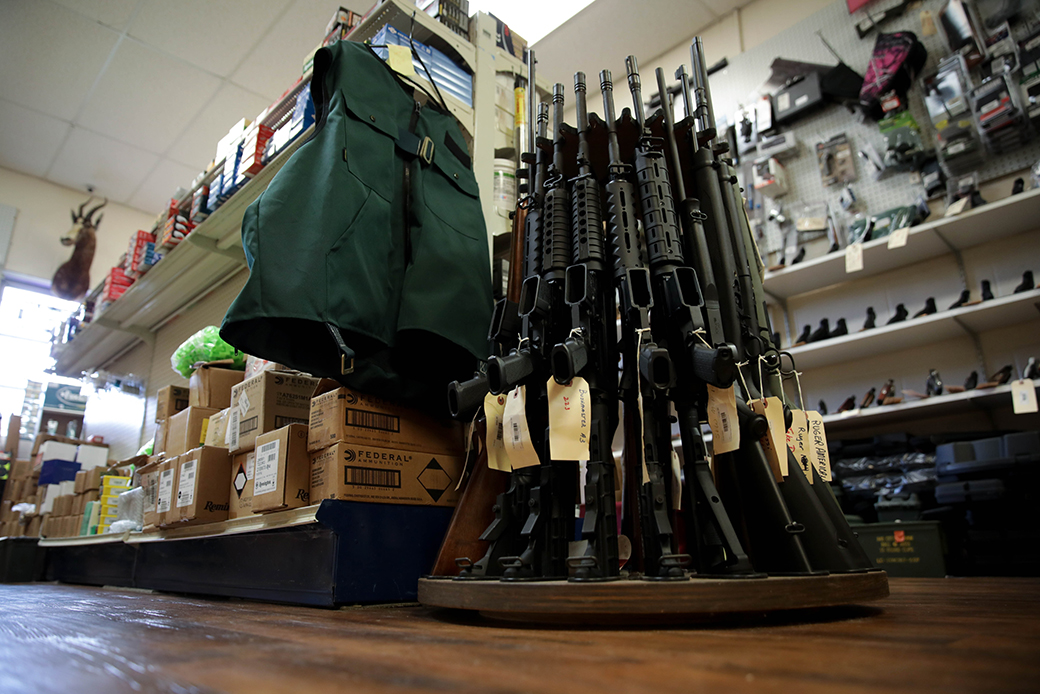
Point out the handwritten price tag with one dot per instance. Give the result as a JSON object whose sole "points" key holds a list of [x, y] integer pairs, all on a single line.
{"points": [[1023, 396], [570, 419], [854, 257], [898, 238]]}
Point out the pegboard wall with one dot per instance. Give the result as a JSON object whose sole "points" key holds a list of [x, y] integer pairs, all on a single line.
{"points": [[739, 85]]}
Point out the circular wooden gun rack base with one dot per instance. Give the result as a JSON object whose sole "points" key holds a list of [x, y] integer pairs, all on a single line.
{"points": [[638, 601]]}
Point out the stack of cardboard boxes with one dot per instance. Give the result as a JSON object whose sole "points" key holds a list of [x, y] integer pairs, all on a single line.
{"points": [[22, 485]]}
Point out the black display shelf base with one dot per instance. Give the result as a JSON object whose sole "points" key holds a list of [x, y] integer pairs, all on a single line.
{"points": [[354, 553], [638, 601], [21, 560]]}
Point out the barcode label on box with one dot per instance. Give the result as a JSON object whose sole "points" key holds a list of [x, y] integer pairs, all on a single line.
{"points": [[280, 422], [231, 436], [372, 477], [266, 479], [186, 484], [247, 426], [165, 491], [373, 420]]}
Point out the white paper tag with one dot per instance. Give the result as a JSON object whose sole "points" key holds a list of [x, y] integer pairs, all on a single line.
{"points": [[231, 435], [1023, 396], [570, 419], [250, 464], [957, 207], [898, 238], [266, 479], [517, 437], [854, 257], [722, 419], [165, 491], [775, 441], [186, 484], [819, 455], [243, 404], [494, 408], [797, 441], [676, 482]]}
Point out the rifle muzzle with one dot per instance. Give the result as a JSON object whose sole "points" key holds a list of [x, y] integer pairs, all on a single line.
{"points": [[568, 359], [717, 366], [505, 373], [464, 397]]}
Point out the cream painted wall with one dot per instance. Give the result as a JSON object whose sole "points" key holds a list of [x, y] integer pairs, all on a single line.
{"points": [[43, 216]]}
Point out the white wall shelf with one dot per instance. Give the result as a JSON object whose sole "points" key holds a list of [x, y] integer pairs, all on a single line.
{"points": [[867, 420], [914, 332], [1007, 217]]}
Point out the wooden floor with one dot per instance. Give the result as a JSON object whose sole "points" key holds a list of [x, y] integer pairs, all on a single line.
{"points": [[952, 635]]}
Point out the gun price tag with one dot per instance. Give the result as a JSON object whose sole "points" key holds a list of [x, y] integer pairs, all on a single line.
{"points": [[1023, 396], [818, 453], [798, 440], [494, 410], [957, 207], [722, 419], [676, 482], [775, 441], [570, 419], [854, 257], [898, 238], [515, 433], [400, 60]]}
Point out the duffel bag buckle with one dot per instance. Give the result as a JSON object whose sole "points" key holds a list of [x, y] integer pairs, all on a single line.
{"points": [[426, 150], [343, 368]]}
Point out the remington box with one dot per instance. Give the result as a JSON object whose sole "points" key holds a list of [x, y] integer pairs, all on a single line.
{"points": [[169, 401], [283, 470], [343, 415], [385, 475], [243, 466], [165, 509], [268, 401], [210, 385], [202, 489], [148, 481], [216, 430], [187, 430]]}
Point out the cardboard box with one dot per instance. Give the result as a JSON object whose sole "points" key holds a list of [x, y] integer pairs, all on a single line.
{"points": [[210, 385], [202, 489], [78, 503], [268, 401], [283, 470], [385, 475], [159, 440], [343, 415], [243, 467], [166, 496], [186, 430], [91, 456], [216, 432], [81, 479], [14, 427], [34, 526], [169, 401], [148, 480], [21, 469], [92, 480]]}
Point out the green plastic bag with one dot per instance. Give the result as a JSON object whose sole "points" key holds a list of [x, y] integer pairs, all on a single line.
{"points": [[205, 345]]}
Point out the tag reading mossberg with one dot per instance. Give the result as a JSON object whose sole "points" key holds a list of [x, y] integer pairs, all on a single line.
{"points": [[517, 437], [722, 419], [494, 406], [797, 441], [818, 453], [775, 441], [569, 419], [1023, 396], [399, 58], [854, 257]]}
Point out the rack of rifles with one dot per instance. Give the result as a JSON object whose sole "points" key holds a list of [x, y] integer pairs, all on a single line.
{"points": [[640, 217]]}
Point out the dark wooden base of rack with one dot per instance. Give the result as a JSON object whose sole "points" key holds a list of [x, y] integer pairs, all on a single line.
{"points": [[638, 601]]}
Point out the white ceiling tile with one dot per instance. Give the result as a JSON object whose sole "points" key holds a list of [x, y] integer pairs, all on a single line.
{"points": [[50, 56], [115, 169], [199, 143], [113, 13], [145, 98], [157, 189], [724, 7], [213, 35], [29, 139], [277, 62]]}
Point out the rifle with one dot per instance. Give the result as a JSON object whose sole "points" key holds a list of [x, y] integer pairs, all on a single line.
{"points": [[590, 351]]}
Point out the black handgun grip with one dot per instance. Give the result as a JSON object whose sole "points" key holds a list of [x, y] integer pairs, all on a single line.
{"points": [[505, 373], [464, 397], [655, 365], [568, 359], [717, 366]]}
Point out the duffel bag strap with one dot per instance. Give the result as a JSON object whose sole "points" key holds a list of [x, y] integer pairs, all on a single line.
{"points": [[346, 354]]}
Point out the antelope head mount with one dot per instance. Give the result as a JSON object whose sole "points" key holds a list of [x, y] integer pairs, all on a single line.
{"points": [[72, 280]]}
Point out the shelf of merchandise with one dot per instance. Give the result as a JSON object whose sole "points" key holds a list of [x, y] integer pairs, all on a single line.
{"points": [[868, 420], [945, 325], [210, 255], [1007, 217]]}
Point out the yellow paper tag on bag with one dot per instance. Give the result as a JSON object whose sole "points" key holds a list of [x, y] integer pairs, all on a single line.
{"points": [[400, 60], [570, 419], [722, 419], [517, 437], [494, 410], [775, 440]]}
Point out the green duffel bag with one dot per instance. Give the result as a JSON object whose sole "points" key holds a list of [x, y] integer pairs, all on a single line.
{"points": [[368, 255]]}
